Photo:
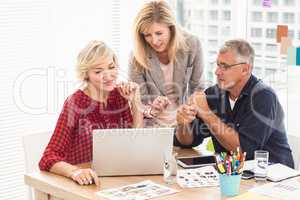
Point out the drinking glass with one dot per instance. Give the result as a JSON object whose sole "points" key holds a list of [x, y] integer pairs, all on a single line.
{"points": [[261, 158]]}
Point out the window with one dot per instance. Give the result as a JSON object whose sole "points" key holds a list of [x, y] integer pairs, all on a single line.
{"points": [[271, 48], [226, 2], [213, 43], [256, 32], [198, 14], [288, 18], [258, 71], [226, 15], [213, 15], [291, 34], [272, 17], [288, 2], [197, 29], [274, 2], [226, 31], [212, 30], [257, 2], [257, 16], [58, 26], [259, 31], [212, 53], [270, 33], [214, 2], [189, 13], [257, 46]]}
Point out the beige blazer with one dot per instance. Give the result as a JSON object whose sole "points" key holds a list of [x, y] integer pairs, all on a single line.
{"points": [[187, 75]]}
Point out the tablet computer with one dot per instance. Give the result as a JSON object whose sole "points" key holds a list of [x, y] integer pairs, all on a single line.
{"points": [[198, 161]]}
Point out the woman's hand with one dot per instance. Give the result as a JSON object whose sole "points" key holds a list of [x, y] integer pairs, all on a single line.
{"points": [[159, 104], [85, 177], [130, 91]]}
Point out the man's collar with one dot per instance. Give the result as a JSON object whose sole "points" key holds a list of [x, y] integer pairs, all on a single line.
{"points": [[247, 88], [249, 85]]}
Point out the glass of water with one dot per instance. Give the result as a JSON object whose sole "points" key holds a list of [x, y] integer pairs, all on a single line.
{"points": [[261, 158], [170, 167]]}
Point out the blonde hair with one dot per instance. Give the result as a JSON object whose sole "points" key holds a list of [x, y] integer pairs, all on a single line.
{"points": [[95, 53], [155, 11]]}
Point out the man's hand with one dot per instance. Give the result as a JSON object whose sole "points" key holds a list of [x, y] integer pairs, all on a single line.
{"points": [[186, 114], [199, 100]]}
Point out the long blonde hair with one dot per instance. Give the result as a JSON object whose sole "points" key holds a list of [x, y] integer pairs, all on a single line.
{"points": [[94, 53], [155, 11]]}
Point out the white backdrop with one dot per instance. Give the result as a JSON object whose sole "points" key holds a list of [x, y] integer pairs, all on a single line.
{"points": [[39, 43]]}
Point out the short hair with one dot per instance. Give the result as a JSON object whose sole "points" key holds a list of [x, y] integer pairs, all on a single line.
{"points": [[155, 11], [241, 49], [94, 53]]}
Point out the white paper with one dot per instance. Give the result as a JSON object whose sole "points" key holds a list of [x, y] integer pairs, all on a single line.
{"points": [[285, 190], [278, 172], [139, 191], [198, 177]]}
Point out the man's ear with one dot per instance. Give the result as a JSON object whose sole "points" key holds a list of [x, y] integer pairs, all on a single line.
{"points": [[246, 69]]}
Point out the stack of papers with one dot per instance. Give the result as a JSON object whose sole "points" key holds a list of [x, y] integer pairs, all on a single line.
{"points": [[139, 191], [198, 177], [285, 190]]}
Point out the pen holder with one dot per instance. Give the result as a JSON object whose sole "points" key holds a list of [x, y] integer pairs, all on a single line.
{"points": [[230, 184]]}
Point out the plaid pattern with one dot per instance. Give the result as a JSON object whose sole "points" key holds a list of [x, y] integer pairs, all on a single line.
{"points": [[72, 138]]}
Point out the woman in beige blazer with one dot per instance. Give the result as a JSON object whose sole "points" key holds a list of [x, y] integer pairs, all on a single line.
{"points": [[166, 62]]}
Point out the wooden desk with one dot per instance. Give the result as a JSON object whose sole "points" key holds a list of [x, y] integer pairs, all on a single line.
{"points": [[49, 186]]}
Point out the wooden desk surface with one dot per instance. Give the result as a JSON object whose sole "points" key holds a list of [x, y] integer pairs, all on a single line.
{"points": [[64, 188]]}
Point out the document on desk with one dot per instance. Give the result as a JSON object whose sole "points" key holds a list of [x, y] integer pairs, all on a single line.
{"points": [[250, 196], [198, 177], [285, 190], [276, 172], [139, 191]]}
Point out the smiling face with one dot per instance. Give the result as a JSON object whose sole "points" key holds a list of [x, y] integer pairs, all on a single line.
{"points": [[232, 77], [158, 36], [103, 77]]}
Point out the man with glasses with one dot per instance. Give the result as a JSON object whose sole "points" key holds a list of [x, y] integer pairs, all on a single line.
{"points": [[239, 111]]}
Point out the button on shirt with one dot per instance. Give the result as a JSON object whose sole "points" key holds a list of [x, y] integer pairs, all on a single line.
{"points": [[257, 117]]}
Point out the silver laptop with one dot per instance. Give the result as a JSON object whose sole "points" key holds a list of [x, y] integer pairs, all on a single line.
{"points": [[120, 152]]}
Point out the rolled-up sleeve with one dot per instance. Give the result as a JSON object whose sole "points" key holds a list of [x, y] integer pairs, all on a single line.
{"points": [[199, 131]]}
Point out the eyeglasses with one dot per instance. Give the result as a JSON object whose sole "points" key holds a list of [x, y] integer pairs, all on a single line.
{"points": [[225, 66]]}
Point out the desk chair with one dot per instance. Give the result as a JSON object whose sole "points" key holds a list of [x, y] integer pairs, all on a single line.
{"points": [[34, 145], [294, 142]]}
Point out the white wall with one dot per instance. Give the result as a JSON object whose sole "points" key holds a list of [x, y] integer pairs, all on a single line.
{"points": [[40, 40]]}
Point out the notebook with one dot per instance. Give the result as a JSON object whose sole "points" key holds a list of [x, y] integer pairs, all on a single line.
{"points": [[276, 172]]}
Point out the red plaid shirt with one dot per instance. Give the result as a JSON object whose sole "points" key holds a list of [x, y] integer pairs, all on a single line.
{"points": [[72, 138]]}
